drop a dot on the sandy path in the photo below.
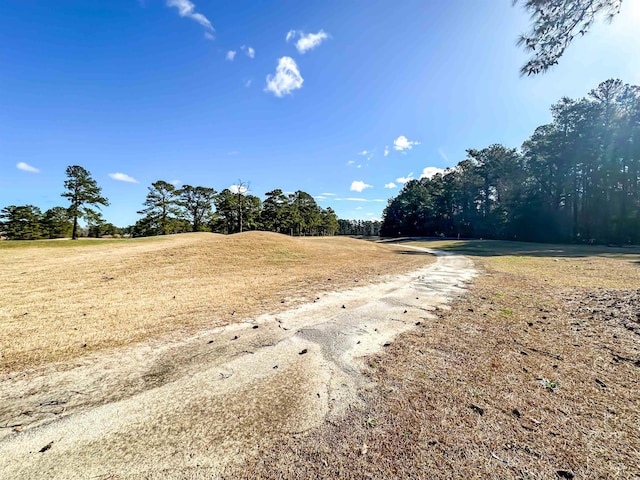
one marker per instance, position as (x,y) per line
(185,409)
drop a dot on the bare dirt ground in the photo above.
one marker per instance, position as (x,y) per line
(197,406)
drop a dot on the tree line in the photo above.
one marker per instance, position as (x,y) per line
(168,209)
(576,179)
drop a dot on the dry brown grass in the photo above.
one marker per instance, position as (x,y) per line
(61,300)
(465,396)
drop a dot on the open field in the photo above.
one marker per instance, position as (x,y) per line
(533,375)
(63,299)
(191,405)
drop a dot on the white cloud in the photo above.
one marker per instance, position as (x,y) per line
(251,53)
(329,194)
(390,185)
(443,155)
(359,199)
(358,208)
(351,162)
(175,183)
(363,153)
(405,179)
(187,9)
(429,172)
(386,150)
(209,36)
(123,177)
(402,143)
(320,197)
(235,189)
(25,167)
(231,54)
(290,34)
(358,186)
(287,78)
(310,41)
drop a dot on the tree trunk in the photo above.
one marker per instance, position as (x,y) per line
(74,232)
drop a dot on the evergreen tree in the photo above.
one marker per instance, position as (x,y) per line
(83,193)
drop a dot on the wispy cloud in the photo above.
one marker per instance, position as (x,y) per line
(231,54)
(209,36)
(307,41)
(366,153)
(329,194)
(429,172)
(247,83)
(310,41)
(251,53)
(359,186)
(187,9)
(386,150)
(443,155)
(390,185)
(402,143)
(25,167)
(123,177)
(359,199)
(286,79)
(351,162)
(405,179)
(175,183)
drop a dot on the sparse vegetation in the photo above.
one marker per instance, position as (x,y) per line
(560,376)
(65,299)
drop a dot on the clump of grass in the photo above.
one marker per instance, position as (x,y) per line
(549,384)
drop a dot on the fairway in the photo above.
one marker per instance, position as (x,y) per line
(64,299)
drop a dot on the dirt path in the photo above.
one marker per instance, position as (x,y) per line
(187,408)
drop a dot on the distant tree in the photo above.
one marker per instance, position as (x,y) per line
(235,211)
(22,222)
(225,220)
(305,216)
(555,23)
(162,207)
(329,222)
(197,203)
(56,223)
(83,193)
(95,224)
(275,212)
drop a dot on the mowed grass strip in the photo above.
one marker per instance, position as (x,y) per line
(63,299)
(534,374)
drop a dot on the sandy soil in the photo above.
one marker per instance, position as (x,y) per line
(189,408)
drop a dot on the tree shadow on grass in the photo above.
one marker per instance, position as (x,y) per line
(497,248)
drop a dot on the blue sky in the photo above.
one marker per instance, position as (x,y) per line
(339,98)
